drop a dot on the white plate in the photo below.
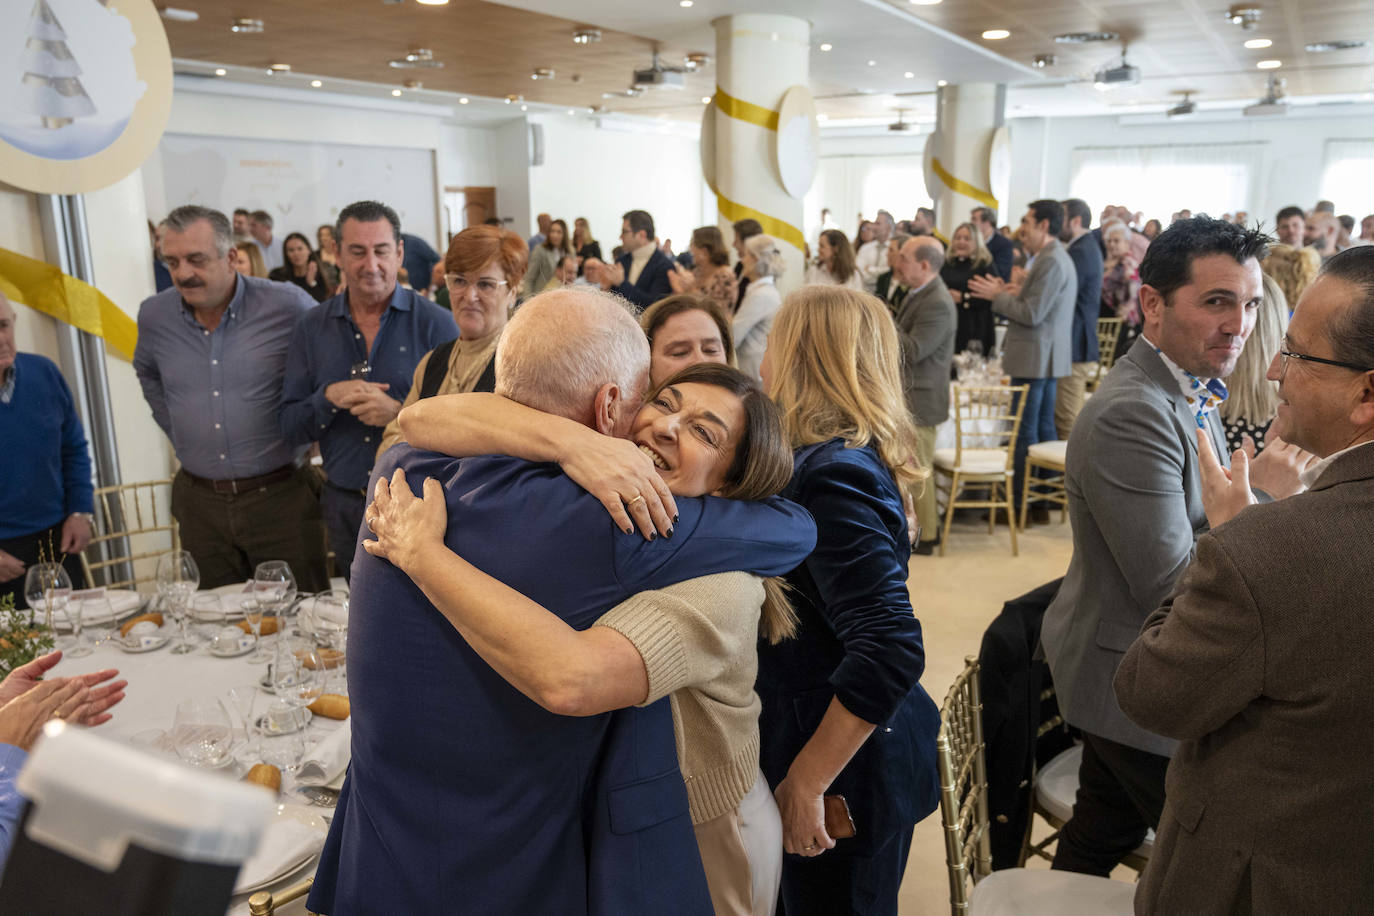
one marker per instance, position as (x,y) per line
(144,643)
(123,603)
(301,814)
(233,651)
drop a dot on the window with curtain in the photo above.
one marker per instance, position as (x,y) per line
(850,185)
(1160,180)
(1347,168)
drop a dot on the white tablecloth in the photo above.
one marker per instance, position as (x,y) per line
(159,680)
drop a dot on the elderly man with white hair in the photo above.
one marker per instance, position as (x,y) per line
(462,792)
(763,264)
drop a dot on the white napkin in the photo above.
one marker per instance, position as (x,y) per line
(332,612)
(326,761)
(285,843)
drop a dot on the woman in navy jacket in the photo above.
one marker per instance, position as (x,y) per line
(843,709)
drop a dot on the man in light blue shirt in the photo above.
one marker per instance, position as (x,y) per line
(211,355)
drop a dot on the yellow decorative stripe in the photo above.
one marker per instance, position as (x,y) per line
(773,226)
(46,289)
(963,187)
(746,111)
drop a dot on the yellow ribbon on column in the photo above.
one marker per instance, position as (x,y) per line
(746,111)
(735,211)
(960,186)
(44,288)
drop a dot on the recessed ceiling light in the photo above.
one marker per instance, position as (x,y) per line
(908,74)
(1255,44)
(396,92)
(996,34)
(542,73)
(684,3)
(695,60)
(942,83)
(413,84)
(706,100)
(873,63)
(514,97)
(316,83)
(246,26)
(278,68)
(571,111)
(463,100)
(173,14)
(221,72)
(586,36)
(1041,61)
(1269,64)
(524,108)
(432,2)
(826,46)
(1341,44)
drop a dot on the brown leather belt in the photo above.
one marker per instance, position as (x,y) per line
(241,484)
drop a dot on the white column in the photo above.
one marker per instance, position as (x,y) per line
(758,59)
(964,166)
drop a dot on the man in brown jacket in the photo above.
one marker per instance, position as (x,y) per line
(1260,662)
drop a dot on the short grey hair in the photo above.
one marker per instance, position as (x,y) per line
(765,248)
(1115,228)
(930,251)
(183,218)
(560,347)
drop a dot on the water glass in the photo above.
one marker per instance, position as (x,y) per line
(297,673)
(275,585)
(208,613)
(243,698)
(47,588)
(282,748)
(177,580)
(201,733)
(94,618)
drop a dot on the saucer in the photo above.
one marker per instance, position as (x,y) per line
(145,643)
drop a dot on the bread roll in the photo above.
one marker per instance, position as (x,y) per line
(331,706)
(265,775)
(269,626)
(129,624)
(324,658)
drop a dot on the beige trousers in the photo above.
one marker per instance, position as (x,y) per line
(927,512)
(1072,392)
(741,851)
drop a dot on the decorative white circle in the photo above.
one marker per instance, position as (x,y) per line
(797,145)
(708,146)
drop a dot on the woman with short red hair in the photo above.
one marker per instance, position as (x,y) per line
(482,272)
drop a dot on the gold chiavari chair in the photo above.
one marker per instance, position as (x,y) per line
(1108,334)
(140,516)
(987,421)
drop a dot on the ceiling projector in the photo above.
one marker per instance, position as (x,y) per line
(658,76)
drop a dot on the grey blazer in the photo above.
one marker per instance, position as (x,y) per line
(925,324)
(1039,342)
(1260,665)
(1135,503)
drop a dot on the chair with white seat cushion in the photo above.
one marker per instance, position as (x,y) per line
(1047,458)
(1055,788)
(986,423)
(964,815)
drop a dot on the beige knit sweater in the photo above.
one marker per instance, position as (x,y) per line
(699,640)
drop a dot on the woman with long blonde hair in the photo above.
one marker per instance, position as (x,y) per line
(1253,400)
(843,709)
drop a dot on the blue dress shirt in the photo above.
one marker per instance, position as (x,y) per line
(216,393)
(53,479)
(326,345)
(463,795)
(11,802)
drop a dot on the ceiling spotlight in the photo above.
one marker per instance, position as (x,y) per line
(1256,44)
(695,60)
(396,92)
(278,68)
(826,46)
(996,34)
(246,26)
(1269,64)
(514,97)
(417,59)
(908,75)
(942,83)
(586,36)
(463,100)
(432,2)
(1340,44)
(1185,107)
(413,84)
(542,73)
(873,63)
(1041,61)
(1083,38)
(684,3)
(220,71)
(706,100)
(524,108)
(1247,17)
(316,83)
(173,14)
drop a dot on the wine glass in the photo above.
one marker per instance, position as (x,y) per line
(47,588)
(274,583)
(329,626)
(201,733)
(255,612)
(244,698)
(177,580)
(297,673)
(96,618)
(207,611)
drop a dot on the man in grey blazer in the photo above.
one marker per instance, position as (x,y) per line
(1259,662)
(926,320)
(1136,507)
(1038,348)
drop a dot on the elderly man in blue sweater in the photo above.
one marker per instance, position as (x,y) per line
(45,492)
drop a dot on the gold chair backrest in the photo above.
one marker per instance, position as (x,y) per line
(140,516)
(987,417)
(1108,335)
(964,787)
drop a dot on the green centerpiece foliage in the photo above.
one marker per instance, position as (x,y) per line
(22,639)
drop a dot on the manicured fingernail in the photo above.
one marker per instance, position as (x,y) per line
(652,535)
(674,519)
(668,533)
(628,530)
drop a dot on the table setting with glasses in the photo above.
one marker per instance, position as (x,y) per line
(247,681)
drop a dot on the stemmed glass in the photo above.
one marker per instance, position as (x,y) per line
(47,588)
(297,673)
(329,626)
(243,698)
(274,585)
(93,611)
(255,612)
(177,580)
(201,732)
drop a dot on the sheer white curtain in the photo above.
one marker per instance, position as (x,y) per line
(850,185)
(1160,180)
(1348,177)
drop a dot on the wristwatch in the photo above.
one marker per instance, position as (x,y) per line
(90,519)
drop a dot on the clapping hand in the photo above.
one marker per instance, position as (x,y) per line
(682,280)
(985,287)
(312,272)
(612,275)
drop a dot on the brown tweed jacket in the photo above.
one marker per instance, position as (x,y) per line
(1262,665)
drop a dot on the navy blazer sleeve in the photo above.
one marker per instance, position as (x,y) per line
(859,567)
(1003,255)
(653,283)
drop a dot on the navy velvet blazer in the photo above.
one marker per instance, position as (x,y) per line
(858,641)
(464,796)
(652,284)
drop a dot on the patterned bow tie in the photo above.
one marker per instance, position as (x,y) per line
(1203,397)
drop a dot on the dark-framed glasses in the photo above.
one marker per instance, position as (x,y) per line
(1285,355)
(485,287)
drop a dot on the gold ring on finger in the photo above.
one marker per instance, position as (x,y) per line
(637,499)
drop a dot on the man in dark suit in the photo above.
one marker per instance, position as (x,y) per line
(1258,663)
(999,246)
(1087,264)
(925,326)
(641,274)
(464,795)
(890,288)
(1136,507)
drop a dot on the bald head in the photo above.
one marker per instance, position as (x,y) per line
(576,352)
(7,350)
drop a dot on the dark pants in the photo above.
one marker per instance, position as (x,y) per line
(343,516)
(25,548)
(228,535)
(1037,425)
(1120,796)
(831,885)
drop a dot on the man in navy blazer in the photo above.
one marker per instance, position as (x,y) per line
(465,796)
(999,246)
(641,274)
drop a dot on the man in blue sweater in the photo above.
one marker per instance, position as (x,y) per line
(45,492)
